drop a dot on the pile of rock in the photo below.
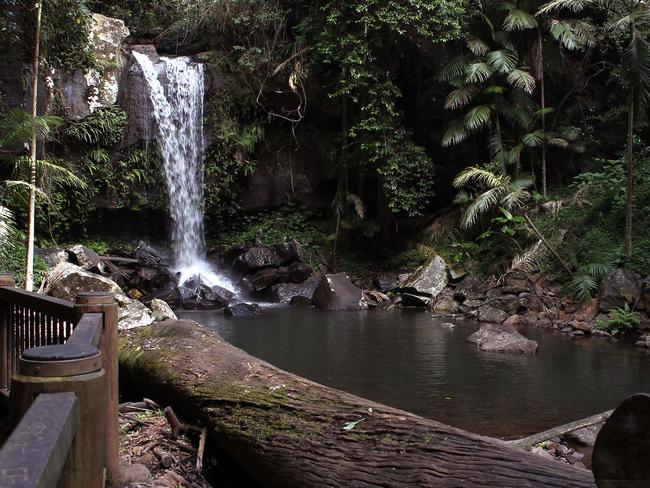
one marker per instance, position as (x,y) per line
(273,273)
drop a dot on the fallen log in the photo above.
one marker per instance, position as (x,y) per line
(530,441)
(290,432)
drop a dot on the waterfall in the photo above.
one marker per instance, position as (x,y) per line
(178,111)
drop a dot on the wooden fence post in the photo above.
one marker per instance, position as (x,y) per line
(102,302)
(6,279)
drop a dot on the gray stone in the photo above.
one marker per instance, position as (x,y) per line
(52,258)
(83,257)
(567,330)
(257,257)
(430,279)
(406,300)
(577,333)
(336,292)
(585,436)
(264,278)
(242,310)
(619,287)
(497,338)
(285,292)
(132,313)
(488,313)
(289,252)
(538,451)
(134,475)
(562,450)
(446,305)
(161,310)
(67,279)
(574,457)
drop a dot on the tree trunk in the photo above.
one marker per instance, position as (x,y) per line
(629,189)
(286,431)
(31,210)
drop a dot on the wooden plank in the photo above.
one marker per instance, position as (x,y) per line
(88,331)
(36,452)
(46,304)
(118,259)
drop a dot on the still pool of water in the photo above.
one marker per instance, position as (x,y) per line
(407,360)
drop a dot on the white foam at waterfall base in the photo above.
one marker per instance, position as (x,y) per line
(178,111)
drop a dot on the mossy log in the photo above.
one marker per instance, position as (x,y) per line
(287,431)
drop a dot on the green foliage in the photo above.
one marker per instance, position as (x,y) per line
(586,280)
(12,260)
(272,226)
(484,191)
(101,128)
(621,320)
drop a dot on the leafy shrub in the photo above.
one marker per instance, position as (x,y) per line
(13,261)
(620,320)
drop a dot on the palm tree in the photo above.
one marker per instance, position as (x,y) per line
(569,34)
(627,28)
(491,78)
(484,191)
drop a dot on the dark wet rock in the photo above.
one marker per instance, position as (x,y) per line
(446,304)
(265,277)
(528,301)
(567,330)
(577,333)
(299,301)
(255,258)
(515,284)
(147,256)
(513,321)
(496,338)
(297,272)
(619,287)
(83,257)
(493,293)
(645,293)
(242,310)
(411,300)
(385,283)
(221,294)
(289,252)
(574,457)
(136,474)
(488,313)
(585,436)
(429,280)
(507,303)
(285,292)
(456,273)
(336,292)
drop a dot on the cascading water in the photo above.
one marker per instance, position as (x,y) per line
(178,111)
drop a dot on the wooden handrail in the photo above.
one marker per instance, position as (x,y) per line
(55,346)
(35,454)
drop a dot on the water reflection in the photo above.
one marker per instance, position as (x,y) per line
(407,360)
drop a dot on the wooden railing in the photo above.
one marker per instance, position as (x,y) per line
(58,371)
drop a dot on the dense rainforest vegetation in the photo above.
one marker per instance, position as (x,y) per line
(502,134)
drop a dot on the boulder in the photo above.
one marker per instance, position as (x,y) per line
(408,300)
(430,279)
(54,257)
(289,252)
(256,257)
(619,287)
(299,301)
(132,313)
(222,294)
(445,304)
(285,292)
(161,310)
(131,475)
(496,338)
(264,278)
(645,293)
(147,256)
(242,310)
(513,321)
(67,279)
(336,292)
(83,257)
(297,272)
(386,283)
(487,313)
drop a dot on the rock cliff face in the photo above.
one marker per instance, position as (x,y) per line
(83,91)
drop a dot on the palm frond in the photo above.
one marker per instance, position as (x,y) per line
(583,285)
(455,68)
(558,142)
(482,204)
(522,80)
(515,198)
(636,61)
(455,133)
(502,60)
(478,72)
(17,126)
(533,139)
(478,117)
(571,34)
(52,170)
(461,97)
(481,176)
(559,5)
(503,39)
(477,45)
(518,20)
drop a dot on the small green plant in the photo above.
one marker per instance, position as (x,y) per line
(621,320)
